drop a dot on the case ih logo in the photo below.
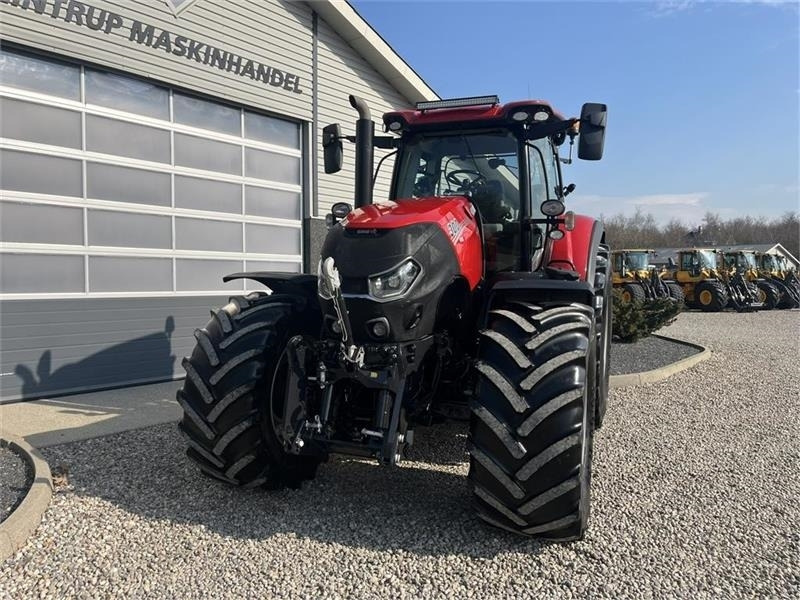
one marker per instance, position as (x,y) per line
(176,6)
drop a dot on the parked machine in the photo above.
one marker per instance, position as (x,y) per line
(696,272)
(744,262)
(470,290)
(637,279)
(708,285)
(775,269)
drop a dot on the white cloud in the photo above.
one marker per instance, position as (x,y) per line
(690,208)
(666,8)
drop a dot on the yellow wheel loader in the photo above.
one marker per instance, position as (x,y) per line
(637,279)
(744,262)
(706,283)
(775,269)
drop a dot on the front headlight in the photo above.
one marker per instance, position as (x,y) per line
(394,283)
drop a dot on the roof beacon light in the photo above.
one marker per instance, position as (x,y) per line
(458,102)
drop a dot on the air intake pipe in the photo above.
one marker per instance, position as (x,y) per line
(365,131)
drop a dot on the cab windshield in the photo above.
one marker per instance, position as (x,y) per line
(636,261)
(746,261)
(461,165)
(708,260)
(481,166)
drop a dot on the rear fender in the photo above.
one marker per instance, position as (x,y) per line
(568,274)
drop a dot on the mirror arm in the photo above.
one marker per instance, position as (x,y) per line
(539,130)
(386,142)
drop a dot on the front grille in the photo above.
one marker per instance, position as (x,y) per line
(354,285)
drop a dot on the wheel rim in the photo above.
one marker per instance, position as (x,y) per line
(626,296)
(762,295)
(706,297)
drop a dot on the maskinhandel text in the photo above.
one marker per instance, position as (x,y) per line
(85,15)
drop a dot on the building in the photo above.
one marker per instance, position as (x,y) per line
(150,147)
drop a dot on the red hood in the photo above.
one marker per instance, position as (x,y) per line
(391,214)
(454,215)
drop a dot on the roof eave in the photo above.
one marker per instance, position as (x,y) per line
(357,32)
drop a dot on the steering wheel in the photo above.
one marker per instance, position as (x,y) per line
(475,177)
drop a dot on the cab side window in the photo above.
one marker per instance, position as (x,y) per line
(544,172)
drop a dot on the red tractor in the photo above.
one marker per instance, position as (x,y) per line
(470,292)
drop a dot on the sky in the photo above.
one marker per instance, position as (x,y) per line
(703,97)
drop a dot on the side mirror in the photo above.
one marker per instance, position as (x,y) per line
(332,148)
(592,131)
(338,212)
(341,209)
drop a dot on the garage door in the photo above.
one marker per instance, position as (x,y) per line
(123,204)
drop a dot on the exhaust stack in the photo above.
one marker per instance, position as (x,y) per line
(365,131)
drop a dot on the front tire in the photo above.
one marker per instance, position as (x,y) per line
(676,292)
(228,392)
(711,296)
(633,292)
(532,421)
(768,294)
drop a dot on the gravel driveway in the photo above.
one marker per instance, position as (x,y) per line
(696,487)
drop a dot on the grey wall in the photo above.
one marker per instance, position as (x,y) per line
(58,346)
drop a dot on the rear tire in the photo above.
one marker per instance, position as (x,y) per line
(710,296)
(603,285)
(227,394)
(532,421)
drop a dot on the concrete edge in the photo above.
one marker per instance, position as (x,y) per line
(629,379)
(21,523)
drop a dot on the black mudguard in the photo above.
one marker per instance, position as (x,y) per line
(536,287)
(300,284)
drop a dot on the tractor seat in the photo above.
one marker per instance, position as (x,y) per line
(489,199)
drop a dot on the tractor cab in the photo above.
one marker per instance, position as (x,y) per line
(502,158)
(696,264)
(743,261)
(632,262)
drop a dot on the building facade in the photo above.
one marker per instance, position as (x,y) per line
(149,147)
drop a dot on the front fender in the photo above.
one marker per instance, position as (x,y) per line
(576,251)
(300,284)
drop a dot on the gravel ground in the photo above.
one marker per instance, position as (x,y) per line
(647,354)
(15,480)
(696,487)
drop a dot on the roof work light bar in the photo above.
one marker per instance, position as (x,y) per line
(458,102)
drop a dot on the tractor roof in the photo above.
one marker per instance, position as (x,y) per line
(483,111)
